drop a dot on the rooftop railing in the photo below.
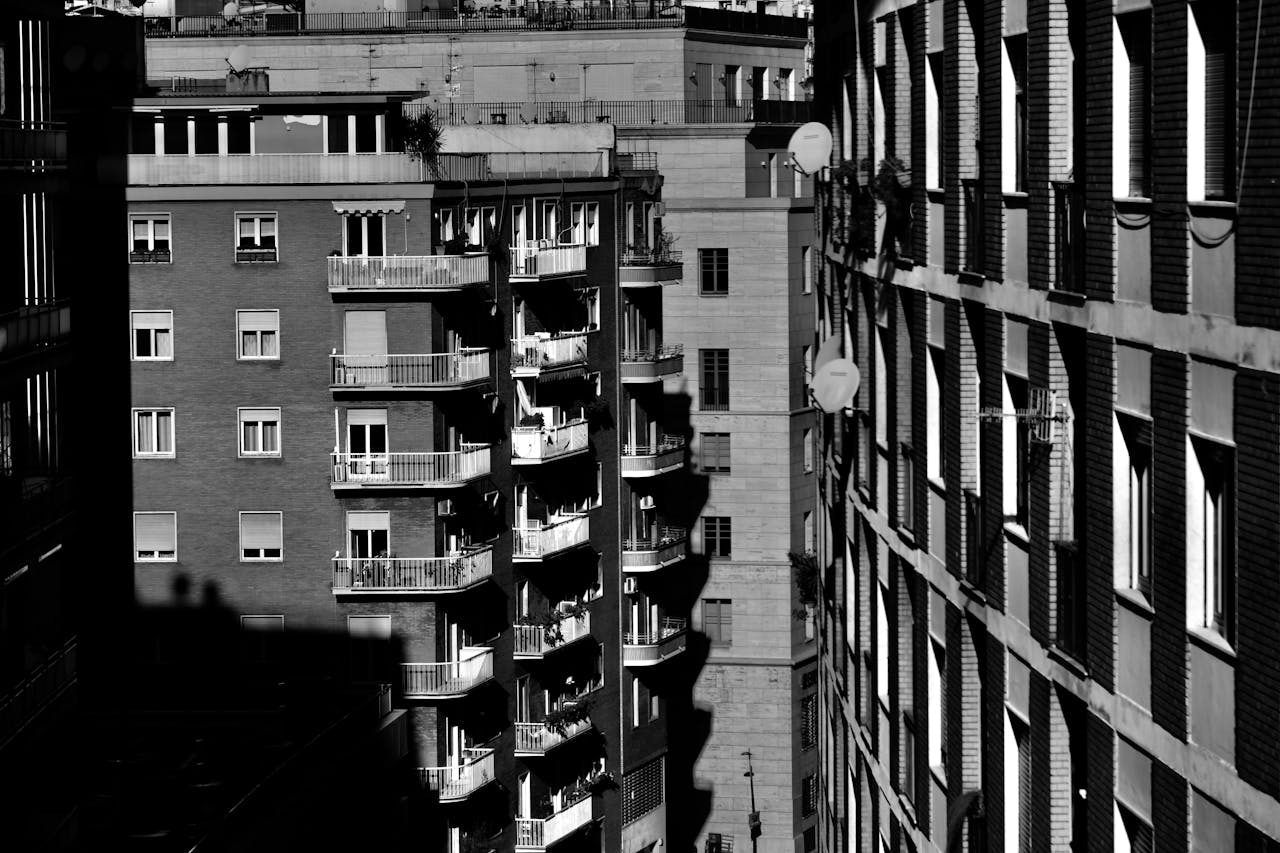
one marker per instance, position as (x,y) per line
(623,113)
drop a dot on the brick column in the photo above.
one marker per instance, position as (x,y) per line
(1170,238)
(1095,433)
(1100,236)
(1169,396)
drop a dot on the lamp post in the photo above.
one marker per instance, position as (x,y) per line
(753,819)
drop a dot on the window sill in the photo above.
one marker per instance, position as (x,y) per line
(260,456)
(151,358)
(939,774)
(155,456)
(256,358)
(1135,601)
(1070,661)
(262,559)
(713,295)
(973,278)
(155,559)
(1133,199)
(1016,532)
(1066,297)
(1212,642)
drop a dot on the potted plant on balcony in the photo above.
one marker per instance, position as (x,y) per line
(423,136)
(534,420)
(600,781)
(559,720)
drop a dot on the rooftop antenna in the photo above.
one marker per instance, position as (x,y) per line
(810,148)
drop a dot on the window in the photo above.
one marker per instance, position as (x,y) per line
(907,503)
(935,369)
(153,432)
(1131,103)
(155,536)
(933,123)
(1211,536)
(715,453)
(717,620)
(152,335)
(806,374)
(480,225)
(261,536)
(258,334)
(259,432)
(714,390)
(1133,503)
(260,638)
(1016,448)
(716,536)
(365,235)
(806,442)
(713,268)
(809,722)
(1211,108)
(1014,107)
(806,268)
(255,238)
(149,239)
(809,795)
(644,704)
(585,218)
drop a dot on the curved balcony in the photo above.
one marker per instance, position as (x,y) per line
(652,365)
(648,555)
(535,445)
(535,355)
(650,460)
(538,541)
(447,679)
(446,470)
(411,575)
(407,273)
(534,739)
(444,371)
(458,782)
(540,833)
(534,641)
(540,261)
(653,647)
(650,269)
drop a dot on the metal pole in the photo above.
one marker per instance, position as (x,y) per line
(754,818)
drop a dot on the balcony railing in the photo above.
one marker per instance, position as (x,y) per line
(652,647)
(533,263)
(637,161)
(537,739)
(32,145)
(1068,236)
(539,834)
(647,555)
(447,679)
(538,541)
(34,327)
(37,691)
(650,269)
(411,574)
(534,354)
(460,781)
(534,641)
(407,273)
(670,112)
(444,370)
(650,460)
(652,365)
(533,445)
(420,470)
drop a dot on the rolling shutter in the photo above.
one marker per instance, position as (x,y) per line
(153,319)
(366,332)
(260,530)
(368,521)
(155,531)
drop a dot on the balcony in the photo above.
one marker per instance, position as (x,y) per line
(649,555)
(536,641)
(456,783)
(447,470)
(411,575)
(34,328)
(650,269)
(541,261)
(650,460)
(32,145)
(447,679)
(532,356)
(443,371)
(535,739)
(407,273)
(540,833)
(652,365)
(38,691)
(535,445)
(653,647)
(538,541)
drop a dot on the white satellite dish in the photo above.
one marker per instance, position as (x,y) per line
(810,147)
(835,383)
(239,58)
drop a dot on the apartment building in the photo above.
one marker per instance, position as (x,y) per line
(1048,536)
(711,97)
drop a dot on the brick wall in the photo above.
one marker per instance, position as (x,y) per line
(1099,204)
(1168,549)
(1095,434)
(1170,241)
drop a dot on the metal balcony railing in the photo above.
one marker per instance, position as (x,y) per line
(408,272)
(531,354)
(537,540)
(532,641)
(670,546)
(411,574)
(37,691)
(423,470)
(537,739)
(645,460)
(431,370)
(645,648)
(531,445)
(652,258)
(32,145)
(670,112)
(447,679)
(637,161)
(457,782)
(33,327)
(534,261)
(652,364)
(540,833)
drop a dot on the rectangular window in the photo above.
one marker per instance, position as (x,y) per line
(153,432)
(256,238)
(644,704)
(261,536)
(907,497)
(933,120)
(714,390)
(806,443)
(717,536)
(806,374)
(584,219)
(1211,533)
(809,795)
(259,432)
(152,335)
(717,620)
(715,453)
(1014,119)
(809,722)
(1133,503)
(1131,99)
(155,536)
(1211,100)
(935,369)
(1016,448)
(713,269)
(480,225)
(149,241)
(258,335)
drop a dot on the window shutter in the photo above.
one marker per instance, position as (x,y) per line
(356,417)
(155,531)
(368,521)
(255,415)
(260,530)
(259,321)
(1215,94)
(1139,72)
(366,332)
(153,319)
(369,627)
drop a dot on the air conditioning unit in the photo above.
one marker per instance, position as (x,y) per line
(630,586)
(445,507)
(659,208)
(647,502)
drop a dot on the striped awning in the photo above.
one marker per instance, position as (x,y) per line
(369,208)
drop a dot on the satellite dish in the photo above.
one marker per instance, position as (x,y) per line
(829,351)
(231,11)
(835,383)
(239,58)
(810,147)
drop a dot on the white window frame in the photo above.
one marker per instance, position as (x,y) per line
(240,332)
(1127,486)
(240,424)
(1211,543)
(151,219)
(261,558)
(479,219)
(933,413)
(257,217)
(133,336)
(157,558)
(173,433)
